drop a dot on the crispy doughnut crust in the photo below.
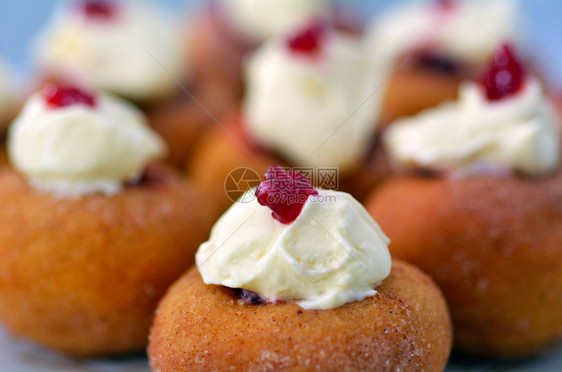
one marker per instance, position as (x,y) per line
(493,245)
(83,275)
(405,325)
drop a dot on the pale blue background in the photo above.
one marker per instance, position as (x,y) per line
(20,20)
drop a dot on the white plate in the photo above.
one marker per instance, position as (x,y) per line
(20,356)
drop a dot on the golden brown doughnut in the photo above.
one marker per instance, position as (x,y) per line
(404,326)
(216,51)
(493,245)
(83,275)
(4,159)
(413,88)
(182,121)
(371,171)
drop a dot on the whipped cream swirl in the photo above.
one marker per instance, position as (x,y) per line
(333,253)
(316,110)
(76,150)
(134,53)
(261,20)
(466,30)
(517,133)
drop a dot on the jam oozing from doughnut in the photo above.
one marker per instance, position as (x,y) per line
(504,76)
(63,96)
(308,40)
(437,63)
(251,297)
(284,193)
(99,9)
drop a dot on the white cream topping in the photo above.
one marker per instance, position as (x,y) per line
(8,95)
(516,133)
(316,111)
(468,32)
(78,149)
(132,55)
(260,20)
(333,253)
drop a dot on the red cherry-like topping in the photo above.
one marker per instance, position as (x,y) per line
(308,40)
(62,96)
(447,4)
(284,193)
(99,9)
(504,75)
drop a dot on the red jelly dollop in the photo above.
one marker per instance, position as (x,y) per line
(308,40)
(447,4)
(99,9)
(62,96)
(284,193)
(504,75)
